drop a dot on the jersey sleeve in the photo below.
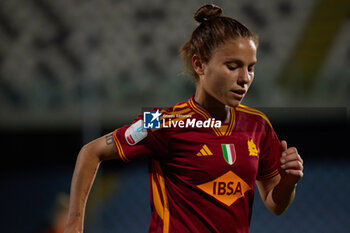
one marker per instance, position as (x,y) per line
(269,160)
(133,141)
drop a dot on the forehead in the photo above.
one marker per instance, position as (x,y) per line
(241,48)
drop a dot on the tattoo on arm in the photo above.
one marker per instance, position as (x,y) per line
(109,139)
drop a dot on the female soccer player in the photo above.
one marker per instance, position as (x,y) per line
(202,173)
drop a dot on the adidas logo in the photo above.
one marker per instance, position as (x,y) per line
(204,151)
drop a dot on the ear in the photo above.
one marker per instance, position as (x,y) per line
(197,64)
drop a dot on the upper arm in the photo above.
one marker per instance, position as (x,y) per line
(103,147)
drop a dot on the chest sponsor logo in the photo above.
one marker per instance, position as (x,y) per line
(204,151)
(253,151)
(227,188)
(229,153)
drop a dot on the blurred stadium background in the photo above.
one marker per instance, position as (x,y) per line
(71,71)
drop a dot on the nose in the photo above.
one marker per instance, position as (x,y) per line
(243,77)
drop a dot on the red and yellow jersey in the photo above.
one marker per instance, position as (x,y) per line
(202,178)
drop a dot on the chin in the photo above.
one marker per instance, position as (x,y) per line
(233,103)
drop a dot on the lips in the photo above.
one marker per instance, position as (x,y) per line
(238,93)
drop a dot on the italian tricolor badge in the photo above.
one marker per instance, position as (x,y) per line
(229,153)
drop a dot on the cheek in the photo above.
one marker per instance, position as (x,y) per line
(218,79)
(217,82)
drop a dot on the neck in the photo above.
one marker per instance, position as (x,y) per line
(215,108)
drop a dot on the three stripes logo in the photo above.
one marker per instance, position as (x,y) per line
(229,153)
(204,151)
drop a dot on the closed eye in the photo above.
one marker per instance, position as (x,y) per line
(230,67)
(251,68)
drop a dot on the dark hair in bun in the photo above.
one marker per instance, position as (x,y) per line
(207,12)
(212,31)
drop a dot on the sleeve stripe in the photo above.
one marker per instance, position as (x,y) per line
(119,147)
(269,175)
(160,197)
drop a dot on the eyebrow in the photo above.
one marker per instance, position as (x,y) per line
(239,62)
